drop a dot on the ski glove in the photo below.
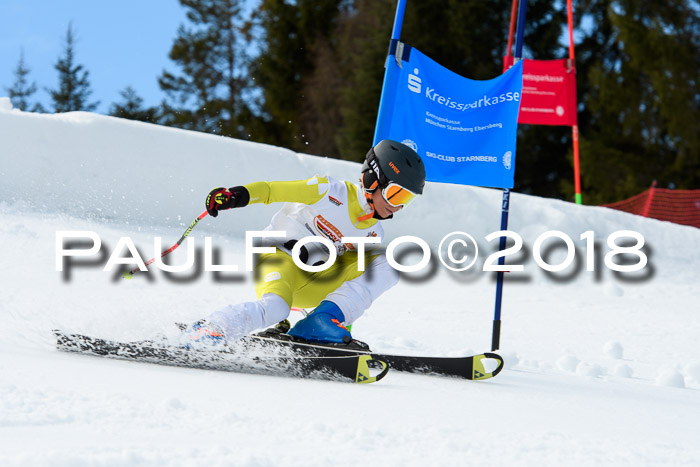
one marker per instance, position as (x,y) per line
(220,199)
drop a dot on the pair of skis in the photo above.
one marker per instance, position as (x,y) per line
(273,352)
(282,355)
(238,359)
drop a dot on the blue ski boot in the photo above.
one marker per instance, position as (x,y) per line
(324,325)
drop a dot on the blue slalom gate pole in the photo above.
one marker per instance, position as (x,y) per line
(505,205)
(386,101)
(398,20)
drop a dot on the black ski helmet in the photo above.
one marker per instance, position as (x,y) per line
(391,161)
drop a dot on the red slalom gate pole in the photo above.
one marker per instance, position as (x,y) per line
(511,31)
(577,170)
(574,129)
(130,274)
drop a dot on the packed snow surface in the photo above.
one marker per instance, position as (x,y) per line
(602,367)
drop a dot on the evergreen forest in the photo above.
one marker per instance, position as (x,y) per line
(307,75)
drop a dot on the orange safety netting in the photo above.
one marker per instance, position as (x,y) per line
(678,206)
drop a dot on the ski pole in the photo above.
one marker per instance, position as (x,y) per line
(130,274)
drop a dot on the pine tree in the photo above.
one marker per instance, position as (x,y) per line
(292,34)
(320,116)
(319,72)
(364,38)
(73,85)
(21,89)
(641,67)
(132,107)
(210,93)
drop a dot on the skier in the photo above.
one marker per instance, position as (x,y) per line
(392,176)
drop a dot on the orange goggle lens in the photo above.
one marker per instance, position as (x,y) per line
(396,195)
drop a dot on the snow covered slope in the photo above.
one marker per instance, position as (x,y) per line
(603,368)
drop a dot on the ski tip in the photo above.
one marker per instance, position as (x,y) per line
(479,371)
(128,275)
(363,372)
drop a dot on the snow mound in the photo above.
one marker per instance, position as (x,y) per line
(670,377)
(623,370)
(591,370)
(510,358)
(692,370)
(568,363)
(613,349)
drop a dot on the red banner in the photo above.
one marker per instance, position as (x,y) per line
(549,92)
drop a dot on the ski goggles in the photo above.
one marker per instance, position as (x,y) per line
(397,196)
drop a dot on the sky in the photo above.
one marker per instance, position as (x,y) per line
(121,43)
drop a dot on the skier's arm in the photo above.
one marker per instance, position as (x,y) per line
(299,191)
